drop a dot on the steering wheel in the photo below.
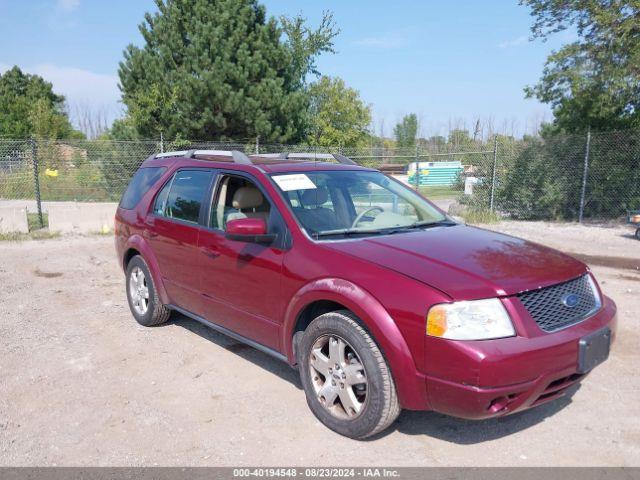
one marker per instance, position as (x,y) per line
(363,214)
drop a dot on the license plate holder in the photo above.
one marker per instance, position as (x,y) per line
(593,349)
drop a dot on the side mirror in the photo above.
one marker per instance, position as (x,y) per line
(250,230)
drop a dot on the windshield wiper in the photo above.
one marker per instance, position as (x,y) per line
(445,222)
(349,231)
(385,231)
(354,231)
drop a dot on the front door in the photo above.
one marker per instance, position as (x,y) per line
(172,231)
(240,282)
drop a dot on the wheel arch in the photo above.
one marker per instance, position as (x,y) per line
(313,310)
(128,255)
(331,294)
(136,245)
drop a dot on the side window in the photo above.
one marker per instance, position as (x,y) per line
(141,182)
(185,196)
(237,197)
(160,204)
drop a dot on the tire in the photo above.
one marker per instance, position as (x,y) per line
(638,233)
(151,312)
(369,409)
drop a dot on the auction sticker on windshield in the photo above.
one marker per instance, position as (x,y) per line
(298,181)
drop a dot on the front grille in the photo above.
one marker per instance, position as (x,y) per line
(548,306)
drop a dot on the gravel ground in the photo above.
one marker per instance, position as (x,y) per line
(82,384)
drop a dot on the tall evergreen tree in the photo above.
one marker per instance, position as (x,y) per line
(220,69)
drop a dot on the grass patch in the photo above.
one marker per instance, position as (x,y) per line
(476,216)
(437,192)
(33,220)
(35,235)
(102,233)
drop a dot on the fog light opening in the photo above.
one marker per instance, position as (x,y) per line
(497,405)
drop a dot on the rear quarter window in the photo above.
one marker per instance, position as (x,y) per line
(141,182)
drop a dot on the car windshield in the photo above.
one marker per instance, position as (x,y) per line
(355,202)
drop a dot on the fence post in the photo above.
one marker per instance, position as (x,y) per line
(161,143)
(257,144)
(417,169)
(584,175)
(493,173)
(36,180)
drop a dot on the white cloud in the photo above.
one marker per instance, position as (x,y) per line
(79,86)
(516,42)
(68,5)
(381,42)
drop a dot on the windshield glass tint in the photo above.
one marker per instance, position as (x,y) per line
(344,202)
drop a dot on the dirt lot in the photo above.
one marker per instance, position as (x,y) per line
(82,384)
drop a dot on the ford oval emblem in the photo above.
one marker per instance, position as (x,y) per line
(570,300)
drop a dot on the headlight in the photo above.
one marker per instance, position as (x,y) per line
(472,320)
(596,292)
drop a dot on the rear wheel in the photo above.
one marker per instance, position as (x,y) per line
(142,295)
(346,379)
(638,233)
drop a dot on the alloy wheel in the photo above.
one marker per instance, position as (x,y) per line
(338,377)
(139,291)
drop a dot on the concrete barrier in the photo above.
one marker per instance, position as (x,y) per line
(13,219)
(81,217)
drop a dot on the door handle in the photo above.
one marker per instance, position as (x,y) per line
(209,252)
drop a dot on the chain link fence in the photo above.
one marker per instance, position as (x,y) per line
(559,177)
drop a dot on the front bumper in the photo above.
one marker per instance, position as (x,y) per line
(484,379)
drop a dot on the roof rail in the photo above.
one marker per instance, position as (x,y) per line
(312,155)
(239,157)
(344,160)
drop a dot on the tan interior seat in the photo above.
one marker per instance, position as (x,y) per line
(246,204)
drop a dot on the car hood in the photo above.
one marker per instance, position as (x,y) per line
(466,262)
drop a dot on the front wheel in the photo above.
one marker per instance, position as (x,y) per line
(346,379)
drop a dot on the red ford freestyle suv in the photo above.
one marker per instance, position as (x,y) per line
(379,299)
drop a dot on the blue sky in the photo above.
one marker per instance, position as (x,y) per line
(449,62)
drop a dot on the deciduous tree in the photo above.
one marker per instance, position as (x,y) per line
(595,80)
(30,107)
(406,131)
(338,116)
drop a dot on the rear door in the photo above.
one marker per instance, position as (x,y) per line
(172,230)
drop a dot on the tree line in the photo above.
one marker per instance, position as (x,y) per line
(226,70)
